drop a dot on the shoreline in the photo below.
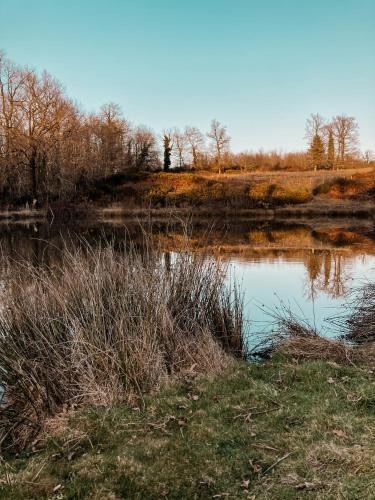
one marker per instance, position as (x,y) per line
(354,210)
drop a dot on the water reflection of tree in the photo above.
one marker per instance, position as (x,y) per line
(41,244)
(31,244)
(326,272)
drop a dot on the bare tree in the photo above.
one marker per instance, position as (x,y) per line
(331,157)
(220,141)
(315,126)
(195,141)
(369,156)
(180,144)
(345,130)
(45,109)
(114,131)
(145,153)
(12,81)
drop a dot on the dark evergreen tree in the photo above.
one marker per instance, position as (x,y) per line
(317,151)
(167,140)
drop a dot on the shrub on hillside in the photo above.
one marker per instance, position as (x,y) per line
(266,194)
(339,187)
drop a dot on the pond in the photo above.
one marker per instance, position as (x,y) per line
(308,266)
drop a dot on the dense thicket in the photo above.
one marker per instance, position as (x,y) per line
(48,146)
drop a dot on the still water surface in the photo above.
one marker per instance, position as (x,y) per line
(315,297)
(308,266)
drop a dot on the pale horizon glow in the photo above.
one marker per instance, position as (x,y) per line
(260,68)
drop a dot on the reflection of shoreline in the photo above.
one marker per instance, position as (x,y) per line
(326,251)
(250,253)
(271,240)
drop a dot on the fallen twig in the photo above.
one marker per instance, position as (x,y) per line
(265,447)
(277,463)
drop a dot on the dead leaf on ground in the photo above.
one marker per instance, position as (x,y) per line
(339,433)
(245,484)
(353,398)
(291,479)
(257,468)
(207,481)
(309,485)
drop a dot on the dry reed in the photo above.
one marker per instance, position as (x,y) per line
(297,338)
(359,326)
(107,326)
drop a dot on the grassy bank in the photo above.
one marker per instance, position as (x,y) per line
(237,191)
(281,429)
(345,193)
(266,194)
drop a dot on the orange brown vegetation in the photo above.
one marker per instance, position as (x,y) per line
(358,186)
(315,347)
(305,193)
(267,194)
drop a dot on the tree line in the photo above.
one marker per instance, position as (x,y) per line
(332,142)
(50,147)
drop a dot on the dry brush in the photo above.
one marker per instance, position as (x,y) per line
(107,326)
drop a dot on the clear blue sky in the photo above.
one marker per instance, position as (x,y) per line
(259,66)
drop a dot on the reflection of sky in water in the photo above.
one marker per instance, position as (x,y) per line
(267,282)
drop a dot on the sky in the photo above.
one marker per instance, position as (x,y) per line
(258,66)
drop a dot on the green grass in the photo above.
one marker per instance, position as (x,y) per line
(215,438)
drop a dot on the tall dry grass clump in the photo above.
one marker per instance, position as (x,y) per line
(106,326)
(296,337)
(359,327)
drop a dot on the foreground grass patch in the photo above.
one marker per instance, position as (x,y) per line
(273,430)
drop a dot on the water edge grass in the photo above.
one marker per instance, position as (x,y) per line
(108,325)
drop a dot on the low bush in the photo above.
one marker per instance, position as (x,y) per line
(339,187)
(297,338)
(192,191)
(266,194)
(157,195)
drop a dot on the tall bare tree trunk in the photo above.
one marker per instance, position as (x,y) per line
(33,172)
